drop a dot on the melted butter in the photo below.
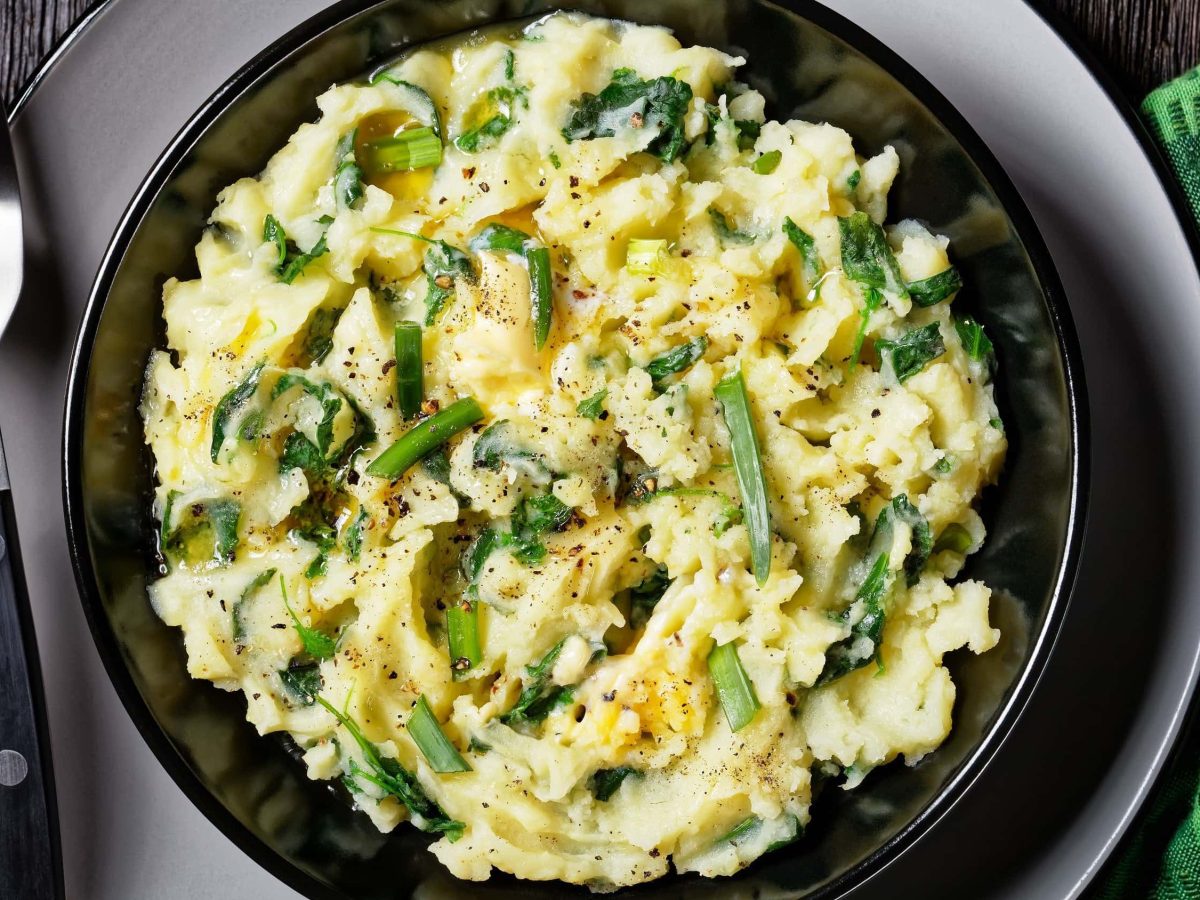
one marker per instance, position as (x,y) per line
(386,124)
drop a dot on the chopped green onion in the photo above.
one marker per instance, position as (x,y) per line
(954,538)
(734,688)
(462,626)
(747,465)
(410,388)
(538,259)
(767,163)
(425,437)
(744,828)
(427,734)
(317,644)
(418,148)
(646,257)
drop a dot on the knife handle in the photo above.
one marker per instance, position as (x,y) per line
(30,856)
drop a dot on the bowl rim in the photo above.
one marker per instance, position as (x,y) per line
(276,55)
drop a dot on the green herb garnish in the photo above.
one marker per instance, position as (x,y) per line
(593,406)
(935,288)
(675,360)
(230,404)
(316,643)
(912,351)
(657,106)
(866,256)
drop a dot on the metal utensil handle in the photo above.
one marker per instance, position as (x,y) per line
(30,864)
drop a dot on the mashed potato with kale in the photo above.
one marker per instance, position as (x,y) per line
(570,460)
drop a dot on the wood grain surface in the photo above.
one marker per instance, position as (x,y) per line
(1143,42)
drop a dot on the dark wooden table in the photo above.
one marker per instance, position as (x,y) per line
(1144,42)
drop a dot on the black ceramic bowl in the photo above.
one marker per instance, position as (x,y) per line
(809,63)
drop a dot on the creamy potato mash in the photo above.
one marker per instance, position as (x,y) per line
(570,461)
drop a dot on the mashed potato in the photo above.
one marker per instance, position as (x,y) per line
(673,496)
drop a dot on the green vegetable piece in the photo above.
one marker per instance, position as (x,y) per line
(955,538)
(497,237)
(488,541)
(542,299)
(417,148)
(539,695)
(554,160)
(604,782)
(593,406)
(871,302)
(534,517)
(509,63)
(319,567)
(912,351)
(747,465)
(301,453)
(727,233)
(231,403)
(734,688)
(974,341)
(850,654)
(803,242)
(853,180)
(318,341)
(462,627)
(866,256)
(316,643)
(644,596)
(935,288)
(302,681)
(743,829)
(348,175)
(273,233)
(767,163)
(444,265)
(291,261)
(729,515)
(420,98)
(747,132)
(498,445)
(410,372)
(208,532)
(658,106)
(437,465)
(325,394)
(922,539)
(388,775)
(427,734)
(355,534)
(646,257)
(425,437)
(500,237)
(239,608)
(497,117)
(675,360)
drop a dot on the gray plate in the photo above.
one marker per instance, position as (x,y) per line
(1047,811)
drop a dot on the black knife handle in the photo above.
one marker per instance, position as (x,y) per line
(30,860)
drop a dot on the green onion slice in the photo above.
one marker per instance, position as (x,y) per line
(425,437)
(410,385)
(538,259)
(747,465)
(646,257)
(734,688)
(427,734)
(417,148)
(462,625)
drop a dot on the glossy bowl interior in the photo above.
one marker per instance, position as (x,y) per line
(809,63)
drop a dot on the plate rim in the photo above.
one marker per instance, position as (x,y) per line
(310,29)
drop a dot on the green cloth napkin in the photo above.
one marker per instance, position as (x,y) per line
(1162,857)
